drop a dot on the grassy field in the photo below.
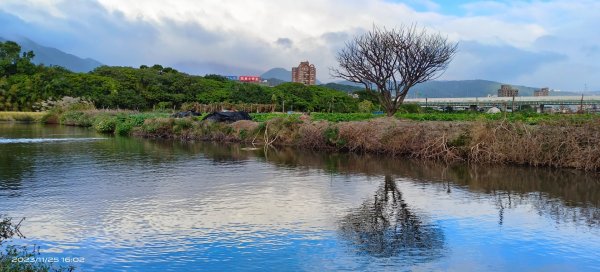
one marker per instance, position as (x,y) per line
(12,116)
(122,122)
(524,117)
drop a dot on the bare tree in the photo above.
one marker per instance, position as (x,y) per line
(386,226)
(390,62)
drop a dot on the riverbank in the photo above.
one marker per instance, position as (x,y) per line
(570,145)
(569,141)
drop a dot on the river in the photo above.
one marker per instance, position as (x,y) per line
(127,204)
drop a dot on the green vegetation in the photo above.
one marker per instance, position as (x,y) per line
(262,117)
(25,87)
(72,98)
(530,118)
(117,122)
(125,122)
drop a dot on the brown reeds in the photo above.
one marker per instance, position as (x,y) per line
(556,145)
(489,142)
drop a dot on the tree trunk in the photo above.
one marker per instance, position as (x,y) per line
(390,111)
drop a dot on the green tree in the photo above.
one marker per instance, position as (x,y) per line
(11,60)
(365,106)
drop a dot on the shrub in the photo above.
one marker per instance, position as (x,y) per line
(76,118)
(331,135)
(163,105)
(409,108)
(105,123)
(365,106)
(181,124)
(158,127)
(66,103)
(50,117)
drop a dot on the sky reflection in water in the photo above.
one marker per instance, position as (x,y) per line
(135,205)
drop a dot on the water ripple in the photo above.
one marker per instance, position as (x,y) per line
(45,140)
(133,205)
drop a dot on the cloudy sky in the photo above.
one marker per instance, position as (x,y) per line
(534,43)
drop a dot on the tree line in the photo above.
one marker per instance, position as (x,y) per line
(388,63)
(23,85)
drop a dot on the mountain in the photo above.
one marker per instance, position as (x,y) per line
(463,88)
(278,73)
(349,83)
(274,81)
(50,56)
(343,87)
(276,76)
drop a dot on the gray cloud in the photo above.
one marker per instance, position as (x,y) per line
(205,37)
(503,63)
(113,39)
(284,42)
(336,37)
(203,68)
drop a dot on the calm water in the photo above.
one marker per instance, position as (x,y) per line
(138,205)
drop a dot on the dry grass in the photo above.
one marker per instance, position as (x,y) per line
(549,145)
(489,142)
(312,135)
(12,116)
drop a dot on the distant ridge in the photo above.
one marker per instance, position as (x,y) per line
(50,56)
(464,88)
(278,73)
(343,87)
(276,76)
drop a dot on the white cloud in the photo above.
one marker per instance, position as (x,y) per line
(237,33)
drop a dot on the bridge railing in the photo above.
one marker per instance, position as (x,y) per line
(518,100)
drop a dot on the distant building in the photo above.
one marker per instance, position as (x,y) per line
(507,91)
(542,92)
(305,73)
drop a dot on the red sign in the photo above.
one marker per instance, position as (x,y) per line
(249,78)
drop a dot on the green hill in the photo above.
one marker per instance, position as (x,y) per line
(342,87)
(53,57)
(276,76)
(278,73)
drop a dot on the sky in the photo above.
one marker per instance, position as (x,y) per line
(534,43)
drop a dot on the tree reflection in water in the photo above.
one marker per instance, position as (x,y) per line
(385,226)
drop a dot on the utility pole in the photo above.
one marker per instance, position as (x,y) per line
(513,104)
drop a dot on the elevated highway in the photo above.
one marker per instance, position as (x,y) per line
(506,102)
